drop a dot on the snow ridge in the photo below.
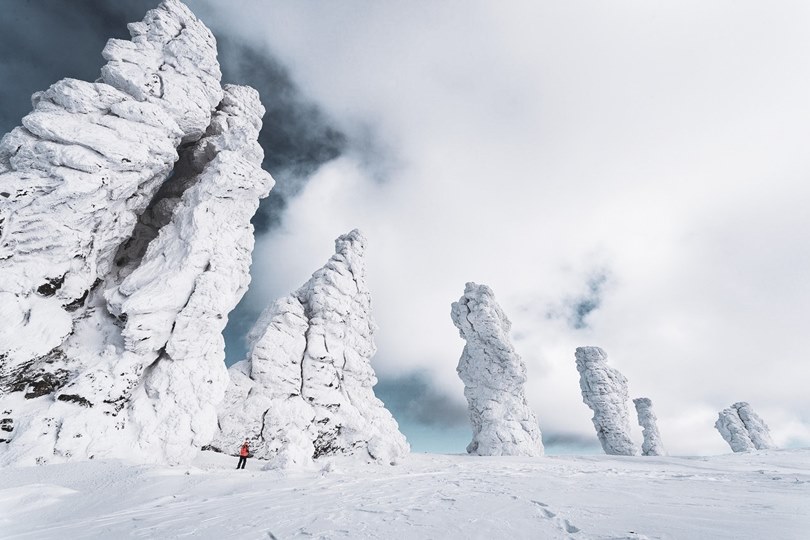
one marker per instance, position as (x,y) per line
(494,377)
(305,389)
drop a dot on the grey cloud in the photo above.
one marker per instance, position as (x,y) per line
(413,398)
(577,309)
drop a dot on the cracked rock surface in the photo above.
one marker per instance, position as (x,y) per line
(494,378)
(652,445)
(604,391)
(743,429)
(305,389)
(125,239)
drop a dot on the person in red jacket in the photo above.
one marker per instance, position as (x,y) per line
(244,452)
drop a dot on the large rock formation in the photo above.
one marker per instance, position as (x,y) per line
(305,389)
(494,377)
(743,429)
(604,390)
(116,282)
(652,445)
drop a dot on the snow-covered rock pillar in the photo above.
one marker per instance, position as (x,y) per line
(652,445)
(111,344)
(743,429)
(494,378)
(604,390)
(305,389)
(85,163)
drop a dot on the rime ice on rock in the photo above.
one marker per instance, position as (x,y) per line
(494,377)
(743,429)
(305,389)
(652,445)
(91,228)
(604,390)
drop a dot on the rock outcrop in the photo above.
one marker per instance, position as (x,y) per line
(125,241)
(652,445)
(494,377)
(305,389)
(743,429)
(604,390)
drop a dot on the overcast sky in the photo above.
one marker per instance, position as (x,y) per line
(626,174)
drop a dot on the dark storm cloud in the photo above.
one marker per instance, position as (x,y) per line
(413,398)
(42,41)
(297,137)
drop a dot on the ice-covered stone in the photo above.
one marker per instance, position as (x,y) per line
(652,445)
(86,162)
(494,377)
(604,390)
(743,429)
(305,389)
(121,282)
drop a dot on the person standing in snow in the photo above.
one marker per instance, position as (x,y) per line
(244,452)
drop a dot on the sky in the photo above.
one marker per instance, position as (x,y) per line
(631,175)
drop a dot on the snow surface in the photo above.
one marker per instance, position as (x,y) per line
(756,495)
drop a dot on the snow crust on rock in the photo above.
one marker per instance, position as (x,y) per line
(494,377)
(86,162)
(305,389)
(121,282)
(652,445)
(605,391)
(743,429)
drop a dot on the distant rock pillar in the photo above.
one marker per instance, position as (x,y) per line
(494,377)
(743,429)
(652,445)
(604,390)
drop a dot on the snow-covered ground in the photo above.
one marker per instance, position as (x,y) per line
(764,495)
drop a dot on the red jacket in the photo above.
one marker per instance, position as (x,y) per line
(244,451)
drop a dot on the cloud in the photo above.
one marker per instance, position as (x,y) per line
(528,145)
(535,142)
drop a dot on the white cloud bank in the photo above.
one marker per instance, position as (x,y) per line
(531,145)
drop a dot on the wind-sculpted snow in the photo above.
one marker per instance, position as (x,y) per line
(743,429)
(494,377)
(604,390)
(652,445)
(119,281)
(305,389)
